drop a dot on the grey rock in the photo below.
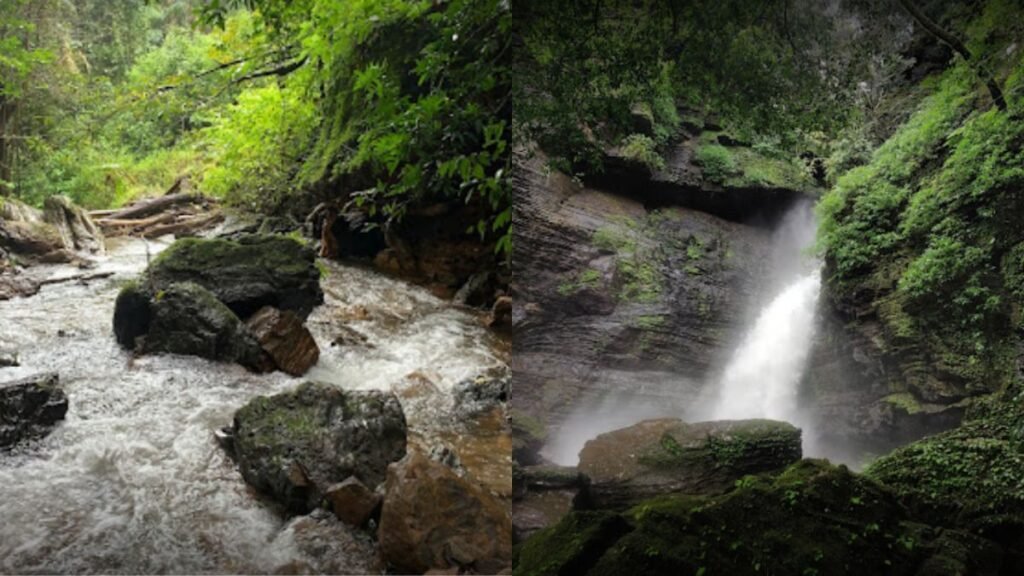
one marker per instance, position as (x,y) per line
(295,445)
(30,407)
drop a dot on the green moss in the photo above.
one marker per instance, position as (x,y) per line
(716,162)
(589,278)
(904,401)
(570,546)
(650,321)
(642,149)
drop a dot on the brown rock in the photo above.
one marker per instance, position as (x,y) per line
(501,313)
(283,337)
(352,502)
(668,456)
(433,520)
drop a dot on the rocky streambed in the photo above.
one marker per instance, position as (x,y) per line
(132,480)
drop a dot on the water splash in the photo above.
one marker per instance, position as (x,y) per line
(762,379)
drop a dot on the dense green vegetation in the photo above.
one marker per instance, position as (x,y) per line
(780,76)
(270,105)
(929,228)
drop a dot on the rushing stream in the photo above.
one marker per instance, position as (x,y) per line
(133,481)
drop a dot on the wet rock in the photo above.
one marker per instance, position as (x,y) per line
(329,547)
(447,456)
(482,393)
(668,456)
(528,438)
(295,445)
(188,319)
(477,291)
(432,519)
(352,502)
(812,516)
(74,225)
(245,274)
(284,339)
(132,315)
(542,495)
(15,285)
(616,296)
(35,241)
(350,337)
(8,359)
(30,407)
(501,313)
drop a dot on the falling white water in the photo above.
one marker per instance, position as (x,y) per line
(762,378)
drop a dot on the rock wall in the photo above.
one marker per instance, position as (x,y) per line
(613,295)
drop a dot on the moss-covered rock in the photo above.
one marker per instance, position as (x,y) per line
(132,314)
(668,456)
(246,274)
(188,319)
(295,445)
(570,547)
(30,407)
(812,519)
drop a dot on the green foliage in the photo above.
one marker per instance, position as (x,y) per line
(716,162)
(642,149)
(258,143)
(929,227)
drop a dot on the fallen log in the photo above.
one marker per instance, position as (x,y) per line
(140,223)
(148,207)
(184,227)
(79,277)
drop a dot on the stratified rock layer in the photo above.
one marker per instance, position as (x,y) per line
(668,456)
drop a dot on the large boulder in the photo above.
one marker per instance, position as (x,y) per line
(284,339)
(433,519)
(814,518)
(188,319)
(24,233)
(246,274)
(669,456)
(30,407)
(132,315)
(295,445)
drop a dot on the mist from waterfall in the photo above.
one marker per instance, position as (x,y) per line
(762,377)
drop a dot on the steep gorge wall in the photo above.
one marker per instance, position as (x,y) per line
(623,287)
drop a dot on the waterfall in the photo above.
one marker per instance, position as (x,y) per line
(762,377)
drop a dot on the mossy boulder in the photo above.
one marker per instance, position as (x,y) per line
(30,407)
(668,456)
(295,445)
(132,315)
(188,319)
(814,518)
(245,274)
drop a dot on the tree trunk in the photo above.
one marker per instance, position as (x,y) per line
(956,44)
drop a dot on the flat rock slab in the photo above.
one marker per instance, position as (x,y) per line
(30,407)
(669,456)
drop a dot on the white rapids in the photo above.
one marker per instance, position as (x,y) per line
(132,481)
